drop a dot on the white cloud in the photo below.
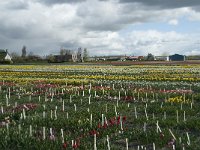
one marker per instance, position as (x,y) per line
(46,26)
(173,22)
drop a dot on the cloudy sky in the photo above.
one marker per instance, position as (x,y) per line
(104,27)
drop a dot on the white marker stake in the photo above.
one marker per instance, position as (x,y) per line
(102,119)
(146,113)
(2,110)
(70,99)
(44,135)
(7,101)
(44,114)
(90,120)
(62,135)
(191,105)
(24,114)
(30,129)
(51,114)
(9,92)
(126,144)
(135,112)
(108,143)
(172,134)
(67,115)
(51,132)
(145,127)
(63,105)
(39,98)
(83,93)
(188,142)
(154,147)
(89,100)
(74,107)
(119,95)
(95,142)
(19,128)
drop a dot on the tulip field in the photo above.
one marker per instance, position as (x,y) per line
(100,107)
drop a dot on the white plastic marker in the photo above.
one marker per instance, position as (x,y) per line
(188,142)
(44,135)
(95,142)
(135,112)
(108,143)
(30,129)
(62,135)
(154,147)
(172,134)
(126,144)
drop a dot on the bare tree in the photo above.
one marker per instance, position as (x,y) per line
(24,51)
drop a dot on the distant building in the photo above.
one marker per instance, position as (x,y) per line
(162,58)
(5,56)
(134,58)
(177,57)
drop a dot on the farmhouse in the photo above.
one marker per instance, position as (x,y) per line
(177,57)
(162,58)
(4,56)
(65,58)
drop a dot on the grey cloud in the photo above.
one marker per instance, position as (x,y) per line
(165,3)
(52,2)
(17,5)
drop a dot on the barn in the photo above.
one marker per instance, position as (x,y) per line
(177,57)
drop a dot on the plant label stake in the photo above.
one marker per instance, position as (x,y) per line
(95,93)
(172,134)
(70,99)
(108,143)
(30,128)
(24,114)
(74,107)
(44,114)
(145,127)
(146,113)
(90,120)
(89,100)
(43,131)
(154,147)
(188,142)
(83,93)
(19,128)
(39,98)
(51,114)
(126,143)
(95,142)
(2,109)
(184,116)
(135,112)
(62,135)
(102,119)
(63,105)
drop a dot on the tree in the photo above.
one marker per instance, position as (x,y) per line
(62,51)
(24,51)
(150,57)
(85,54)
(80,55)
